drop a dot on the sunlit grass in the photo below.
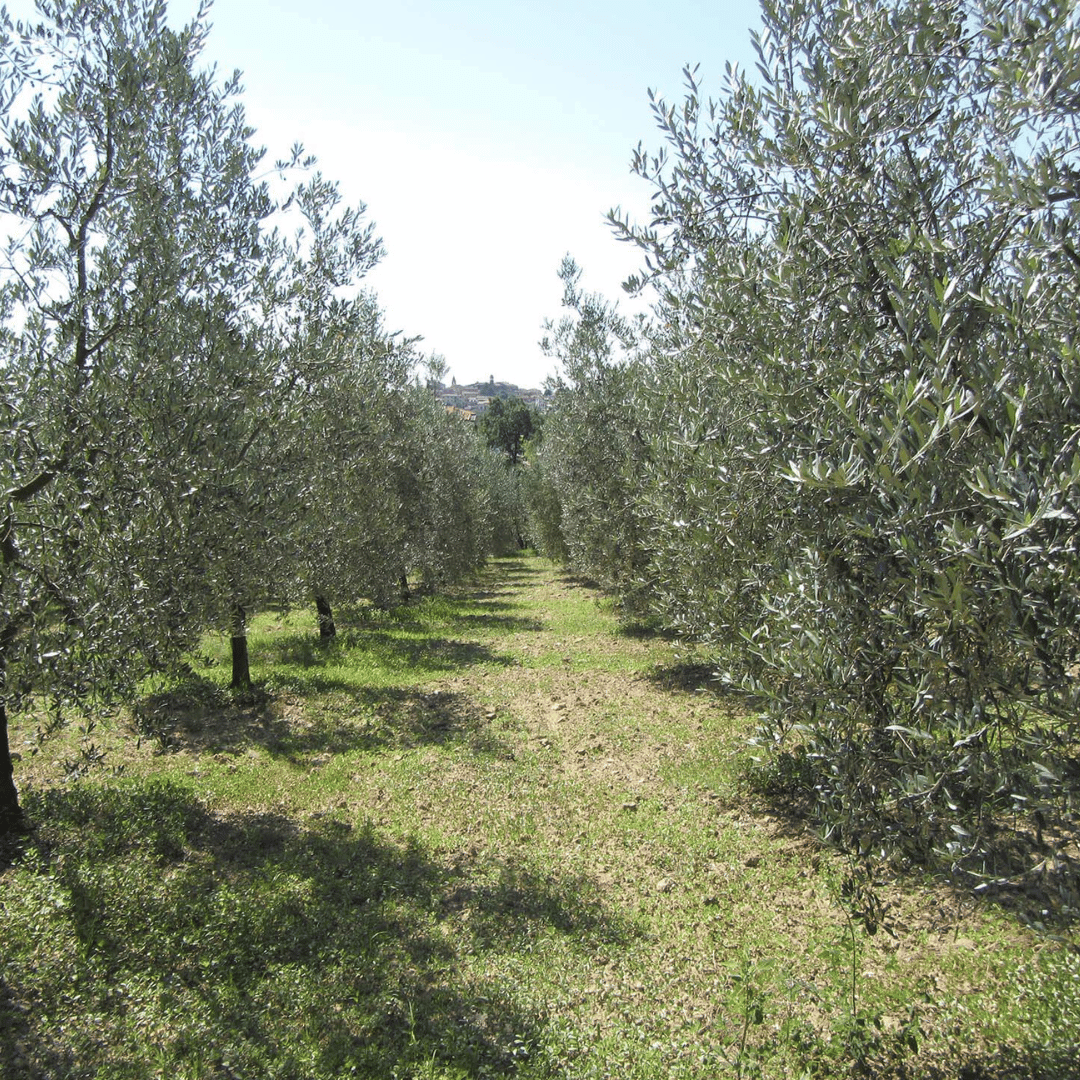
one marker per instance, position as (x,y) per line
(482,835)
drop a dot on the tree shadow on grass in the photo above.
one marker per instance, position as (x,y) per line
(331,697)
(637,630)
(17,1036)
(516,568)
(252,945)
(686,676)
(1030,870)
(448,614)
(202,716)
(488,599)
(1033,1062)
(388,651)
(576,581)
(509,624)
(393,719)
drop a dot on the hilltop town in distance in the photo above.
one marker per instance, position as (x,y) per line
(474,398)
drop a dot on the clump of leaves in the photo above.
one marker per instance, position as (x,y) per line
(782,774)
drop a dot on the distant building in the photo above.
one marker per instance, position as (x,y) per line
(476,397)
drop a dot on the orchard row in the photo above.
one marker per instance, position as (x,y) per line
(202,410)
(844,451)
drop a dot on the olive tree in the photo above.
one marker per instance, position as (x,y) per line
(508,426)
(586,468)
(351,539)
(135,251)
(447,512)
(264,449)
(865,414)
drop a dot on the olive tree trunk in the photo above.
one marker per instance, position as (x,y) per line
(241,669)
(327,629)
(10,811)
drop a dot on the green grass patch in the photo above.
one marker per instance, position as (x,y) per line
(485,834)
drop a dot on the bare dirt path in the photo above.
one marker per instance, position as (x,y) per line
(594,700)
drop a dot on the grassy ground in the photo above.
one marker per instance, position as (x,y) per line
(484,835)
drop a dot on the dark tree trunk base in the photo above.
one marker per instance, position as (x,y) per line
(327,629)
(241,668)
(12,821)
(13,824)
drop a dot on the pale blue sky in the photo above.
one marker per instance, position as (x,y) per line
(487,139)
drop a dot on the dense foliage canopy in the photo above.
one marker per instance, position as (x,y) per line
(200,411)
(844,454)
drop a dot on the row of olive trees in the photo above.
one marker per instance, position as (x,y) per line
(846,452)
(200,411)
(510,428)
